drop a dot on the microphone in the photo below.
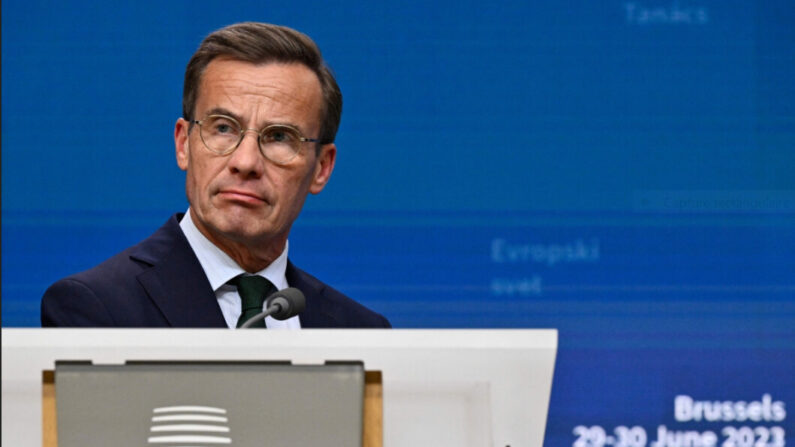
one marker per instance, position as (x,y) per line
(281,305)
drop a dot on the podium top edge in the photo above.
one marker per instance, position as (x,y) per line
(362,338)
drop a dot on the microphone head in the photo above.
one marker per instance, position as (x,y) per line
(291,302)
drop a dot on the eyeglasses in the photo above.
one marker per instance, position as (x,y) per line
(279,143)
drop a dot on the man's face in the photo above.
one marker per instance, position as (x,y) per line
(243,201)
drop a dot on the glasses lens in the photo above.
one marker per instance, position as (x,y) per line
(220,133)
(280,143)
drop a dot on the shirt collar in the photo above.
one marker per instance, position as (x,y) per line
(219,267)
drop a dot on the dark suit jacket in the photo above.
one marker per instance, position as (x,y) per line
(160,283)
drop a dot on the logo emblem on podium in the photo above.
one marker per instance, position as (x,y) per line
(198,425)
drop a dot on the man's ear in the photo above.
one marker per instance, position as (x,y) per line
(323,167)
(181,143)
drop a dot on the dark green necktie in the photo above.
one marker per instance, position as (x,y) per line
(253,290)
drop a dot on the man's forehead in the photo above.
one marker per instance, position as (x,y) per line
(234,83)
(290,77)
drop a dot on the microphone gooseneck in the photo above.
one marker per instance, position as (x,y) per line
(281,305)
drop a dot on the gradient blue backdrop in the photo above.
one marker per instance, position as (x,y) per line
(619,170)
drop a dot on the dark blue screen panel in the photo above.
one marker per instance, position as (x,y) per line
(619,170)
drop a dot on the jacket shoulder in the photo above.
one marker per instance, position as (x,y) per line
(109,293)
(328,307)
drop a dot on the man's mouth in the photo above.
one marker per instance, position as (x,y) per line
(241,195)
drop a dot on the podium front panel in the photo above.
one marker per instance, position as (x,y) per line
(233,403)
(440,387)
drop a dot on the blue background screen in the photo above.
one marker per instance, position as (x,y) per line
(619,170)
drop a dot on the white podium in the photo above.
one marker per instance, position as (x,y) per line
(441,387)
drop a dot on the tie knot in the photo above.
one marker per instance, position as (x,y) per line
(252,290)
(255,287)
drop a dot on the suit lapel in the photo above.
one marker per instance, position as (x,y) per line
(319,312)
(176,282)
(179,288)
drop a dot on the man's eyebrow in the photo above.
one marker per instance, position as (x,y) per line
(223,111)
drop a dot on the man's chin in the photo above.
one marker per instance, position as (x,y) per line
(233,229)
(247,235)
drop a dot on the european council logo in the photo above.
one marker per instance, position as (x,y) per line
(197,425)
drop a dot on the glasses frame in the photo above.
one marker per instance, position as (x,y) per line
(259,133)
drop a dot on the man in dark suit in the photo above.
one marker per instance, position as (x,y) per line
(260,114)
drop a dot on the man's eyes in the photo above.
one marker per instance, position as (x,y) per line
(279,135)
(224,128)
(271,134)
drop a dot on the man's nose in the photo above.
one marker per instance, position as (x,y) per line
(247,159)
